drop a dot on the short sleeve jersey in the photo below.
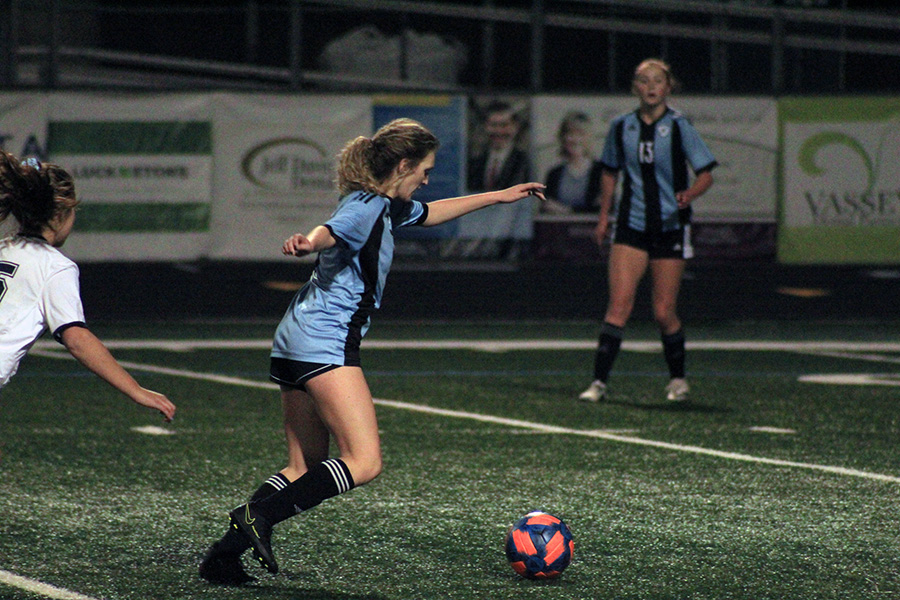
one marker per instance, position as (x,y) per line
(38,289)
(655,158)
(330,314)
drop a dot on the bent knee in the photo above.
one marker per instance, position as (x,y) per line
(365,471)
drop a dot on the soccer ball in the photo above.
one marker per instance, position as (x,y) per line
(539,546)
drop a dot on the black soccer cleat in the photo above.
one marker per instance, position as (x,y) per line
(223,568)
(258,532)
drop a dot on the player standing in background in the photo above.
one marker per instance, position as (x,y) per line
(654,146)
(39,285)
(315,355)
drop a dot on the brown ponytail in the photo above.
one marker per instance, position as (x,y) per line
(365,163)
(33,192)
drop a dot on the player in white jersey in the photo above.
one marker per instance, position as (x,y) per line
(39,285)
(315,357)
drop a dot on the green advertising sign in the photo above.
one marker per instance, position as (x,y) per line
(840,181)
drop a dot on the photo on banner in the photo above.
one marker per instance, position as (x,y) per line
(498,156)
(564,225)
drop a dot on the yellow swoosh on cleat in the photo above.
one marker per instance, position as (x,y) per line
(247,518)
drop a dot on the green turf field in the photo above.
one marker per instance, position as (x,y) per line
(765,487)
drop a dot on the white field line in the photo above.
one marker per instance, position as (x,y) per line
(507,345)
(41,589)
(881,358)
(540,427)
(889,379)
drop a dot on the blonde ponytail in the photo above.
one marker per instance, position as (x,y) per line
(365,163)
(354,171)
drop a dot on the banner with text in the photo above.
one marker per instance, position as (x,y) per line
(274,172)
(142,166)
(230,176)
(840,181)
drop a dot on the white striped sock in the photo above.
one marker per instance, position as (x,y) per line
(278,481)
(337,469)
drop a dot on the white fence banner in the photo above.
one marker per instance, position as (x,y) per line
(143,170)
(274,173)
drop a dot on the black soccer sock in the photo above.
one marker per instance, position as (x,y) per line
(607,350)
(273,484)
(673,349)
(323,481)
(235,542)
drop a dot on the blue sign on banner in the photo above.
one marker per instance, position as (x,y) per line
(445,117)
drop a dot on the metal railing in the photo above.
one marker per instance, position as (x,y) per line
(786,45)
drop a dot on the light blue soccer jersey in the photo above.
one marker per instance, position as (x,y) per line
(655,158)
(329,316)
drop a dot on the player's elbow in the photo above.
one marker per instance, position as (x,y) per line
(77,339)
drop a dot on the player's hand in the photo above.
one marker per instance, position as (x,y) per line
(155,400)
(297,245)
(523,190)
(601,229)
(684,199)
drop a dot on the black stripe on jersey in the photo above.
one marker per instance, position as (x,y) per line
(369,256)
(400,211)
(647,161)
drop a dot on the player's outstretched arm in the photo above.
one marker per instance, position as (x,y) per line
(442,211)
(90,351)
(318,239)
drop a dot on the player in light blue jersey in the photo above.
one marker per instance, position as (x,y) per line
(315,356)
(654,147)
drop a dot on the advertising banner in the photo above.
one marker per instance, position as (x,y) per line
(274,171)
(23,131)
(142,168)
(230,175)
(23,124)
(840,181)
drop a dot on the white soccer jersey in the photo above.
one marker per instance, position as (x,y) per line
(38,289)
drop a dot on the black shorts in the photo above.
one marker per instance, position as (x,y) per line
(665,244)
(294,373)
